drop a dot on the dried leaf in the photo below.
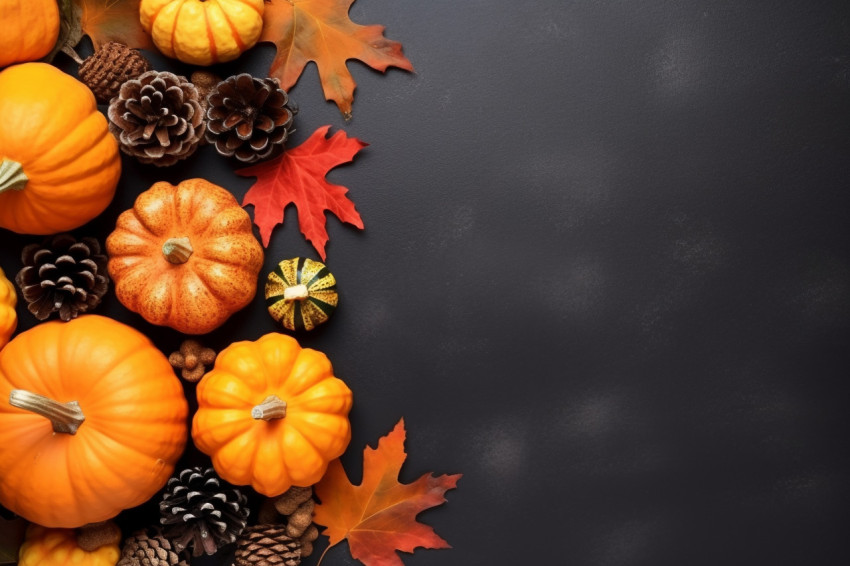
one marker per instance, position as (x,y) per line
(321,31)
(113,20)
(378,517)
(298,177)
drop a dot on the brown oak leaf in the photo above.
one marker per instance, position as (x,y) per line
(378,517)
(112,20)
(321,31)
(298,177)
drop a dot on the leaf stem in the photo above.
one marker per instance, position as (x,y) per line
(322,557)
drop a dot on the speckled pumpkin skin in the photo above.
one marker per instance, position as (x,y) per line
(218,279)
(58,547)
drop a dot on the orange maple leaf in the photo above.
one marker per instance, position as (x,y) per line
(378,517)
(298,177)
(113,20)
(320,31)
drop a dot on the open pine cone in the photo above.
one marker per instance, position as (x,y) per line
(157,118)
(63,275)
(248,118)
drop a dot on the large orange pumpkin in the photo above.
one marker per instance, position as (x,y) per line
(92,421)
(59,165)
(201,32)
(185,256)
(271,414)
(30,30)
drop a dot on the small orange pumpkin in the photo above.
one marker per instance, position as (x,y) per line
(59,165)
(59,547)
(92,421)
(8,315)
(30,30)
(201,32)
(185,256)
(271,414)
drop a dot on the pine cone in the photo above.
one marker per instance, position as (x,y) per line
(157,118)
(107,69)
(143,549)
(248,118)
(296,506)
(63,275)
(267,545)
(201,510)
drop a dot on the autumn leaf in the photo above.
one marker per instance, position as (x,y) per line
(378,517)
(321,31)
(111,20)
(298,177)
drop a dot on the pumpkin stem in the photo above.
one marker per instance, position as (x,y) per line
(69,51)
(12,176)
(295,293)
(177,250)
(66,417)
(272,407)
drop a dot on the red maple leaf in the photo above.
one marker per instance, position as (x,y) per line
(298,177)
(378,517)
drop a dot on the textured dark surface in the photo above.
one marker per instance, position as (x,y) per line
(605,275)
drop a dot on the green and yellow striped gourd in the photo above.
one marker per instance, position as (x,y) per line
(301,293)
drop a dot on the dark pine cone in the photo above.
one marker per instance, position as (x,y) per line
(109,67)
(157,118)
(63,275)
(248,117)
(267,545)
(200,510)
(145,549)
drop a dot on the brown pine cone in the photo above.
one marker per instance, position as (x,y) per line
(267,545)
(157,118)
(109,67)
(248,118)
(63,275)
(295,506)
(144,549)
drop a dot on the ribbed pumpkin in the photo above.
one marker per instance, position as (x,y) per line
(58,547)
(301,293)
(30,30)
(59,165)
(92,421)
(185,256)
(203,32)
(8,315)
(272,414)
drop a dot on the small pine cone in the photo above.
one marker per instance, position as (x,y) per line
(201,511)
(157,118)
(297,505)
(267,545)
(248,118)
(63,275)
(109,67)
(144,549)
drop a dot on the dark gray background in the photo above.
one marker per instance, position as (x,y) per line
(604,275)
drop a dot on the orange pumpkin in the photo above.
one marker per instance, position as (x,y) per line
(8,315)
(92,421)
(201,32)
(58,547)
(271,414)
(59,165)
(30,30)
(185,256)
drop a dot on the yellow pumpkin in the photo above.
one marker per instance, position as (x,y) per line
(185,256)
(271,414)
(92,421)
(202,32)
(30,30)
(8,315)
(59,165)
(58,547)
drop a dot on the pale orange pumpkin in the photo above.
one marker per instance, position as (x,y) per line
(58,547)
(272,414)
(203,32)
(59,165)
(92,421)
(185,256)
(30,30)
